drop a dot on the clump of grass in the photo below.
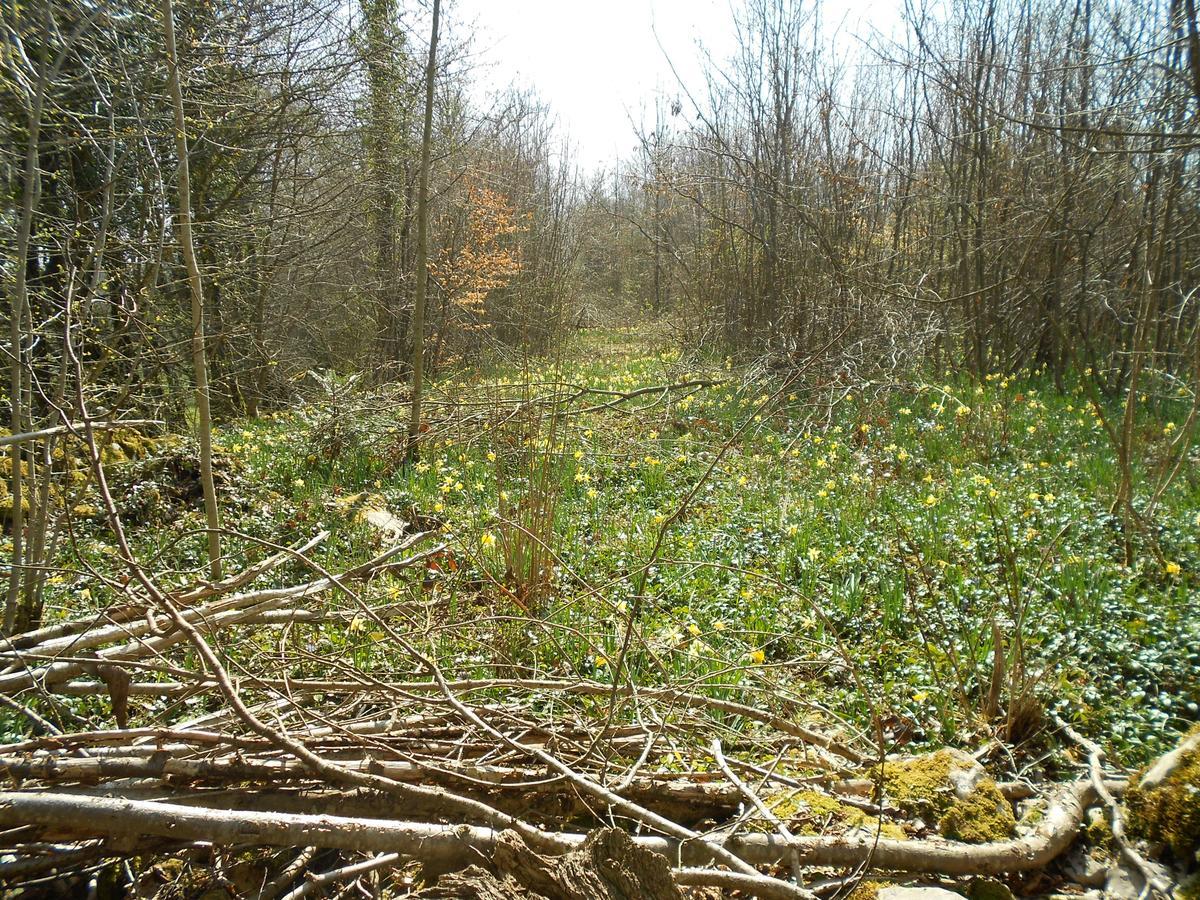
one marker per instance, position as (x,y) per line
(529,467)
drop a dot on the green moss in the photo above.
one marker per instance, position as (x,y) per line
(983,816)
(816,813)
(792,804)
(1035,812)
(135,444)
(867,890)
(361,507)
(6,463)
(1099,834)
(112,454)
(1189,889)
(124,445)
(988,889)
(6,498)
(921,785)
(1169,813)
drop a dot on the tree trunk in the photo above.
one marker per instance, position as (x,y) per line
(187,248)
(418,319)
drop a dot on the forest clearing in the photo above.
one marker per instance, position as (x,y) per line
(806,506)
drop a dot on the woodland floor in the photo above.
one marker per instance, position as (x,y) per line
(864,552)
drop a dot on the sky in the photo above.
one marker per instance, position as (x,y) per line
(601,63)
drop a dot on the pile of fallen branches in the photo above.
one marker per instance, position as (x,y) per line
(531,785)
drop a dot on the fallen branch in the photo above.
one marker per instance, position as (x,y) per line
(442,845)
(167,633)
(73,428)
(671,696)
(763,810)
(354,870)
(129,612)
(1150,876)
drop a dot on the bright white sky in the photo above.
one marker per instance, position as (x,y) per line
(599,62)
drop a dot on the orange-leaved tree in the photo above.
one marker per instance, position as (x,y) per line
(486,259)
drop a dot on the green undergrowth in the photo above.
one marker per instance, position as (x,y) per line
(847,555)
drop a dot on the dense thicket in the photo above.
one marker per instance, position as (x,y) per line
(303,119)
(301,127)
(1007,183)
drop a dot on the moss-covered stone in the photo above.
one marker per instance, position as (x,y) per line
(1169,813)
(984,815)
(988,889)
(6,501)
(6,463)
(6,497)
(923,785)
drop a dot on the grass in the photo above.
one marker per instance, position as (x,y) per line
(864,554)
